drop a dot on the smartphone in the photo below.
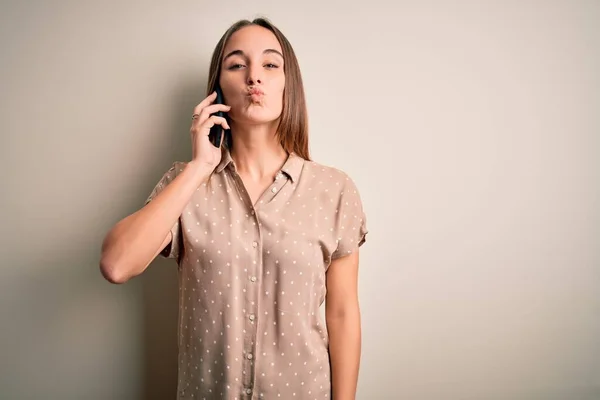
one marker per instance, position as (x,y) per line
(217,131)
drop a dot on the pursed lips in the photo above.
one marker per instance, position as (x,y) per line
(255,91)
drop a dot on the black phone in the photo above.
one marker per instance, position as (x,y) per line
(217,131)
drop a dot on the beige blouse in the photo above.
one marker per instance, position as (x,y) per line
(252,278)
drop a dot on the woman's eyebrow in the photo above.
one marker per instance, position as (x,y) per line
(241,53)
(273,51)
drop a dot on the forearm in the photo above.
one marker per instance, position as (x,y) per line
(132,244)
(344,352)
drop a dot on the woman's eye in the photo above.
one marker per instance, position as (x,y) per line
(235,66)
(271,66)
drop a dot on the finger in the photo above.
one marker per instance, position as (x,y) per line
(216,120)
(208,100)
(213,108)
(209,110)
(212,121)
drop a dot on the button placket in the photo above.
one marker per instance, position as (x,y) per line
(251,345)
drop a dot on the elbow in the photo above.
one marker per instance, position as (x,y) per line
(346,312)
(348,316)
(112,273)
(111,266)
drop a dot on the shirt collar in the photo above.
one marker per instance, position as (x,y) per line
(292,166)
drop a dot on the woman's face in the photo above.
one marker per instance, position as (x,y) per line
(252,77)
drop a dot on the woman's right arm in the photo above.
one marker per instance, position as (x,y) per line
(135,241)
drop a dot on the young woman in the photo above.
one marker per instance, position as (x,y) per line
(262,236)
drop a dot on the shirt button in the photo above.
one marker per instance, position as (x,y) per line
(249,391)
(249,356)
(252,317)
(254,244)
(251,212)
(253,279)
(273,189)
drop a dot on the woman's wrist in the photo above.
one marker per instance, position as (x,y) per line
(200,171)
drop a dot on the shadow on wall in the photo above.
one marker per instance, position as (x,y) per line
(160,280)
(160,307)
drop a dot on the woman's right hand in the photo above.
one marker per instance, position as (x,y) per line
(204,153)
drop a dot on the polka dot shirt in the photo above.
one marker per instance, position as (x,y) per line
(252,279)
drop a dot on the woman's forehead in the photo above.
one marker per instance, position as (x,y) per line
(252,39)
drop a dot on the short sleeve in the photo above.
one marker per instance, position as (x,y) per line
(172,250)
(350,220)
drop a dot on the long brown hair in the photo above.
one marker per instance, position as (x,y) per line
(292,131)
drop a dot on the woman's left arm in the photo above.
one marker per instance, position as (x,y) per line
(342,316)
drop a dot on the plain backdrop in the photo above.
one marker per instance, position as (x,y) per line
(472,129)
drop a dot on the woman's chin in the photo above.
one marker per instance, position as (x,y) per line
(257,116)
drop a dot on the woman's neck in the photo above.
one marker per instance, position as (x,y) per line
(257,153)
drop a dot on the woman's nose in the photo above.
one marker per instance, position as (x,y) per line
(253,80)
(253,76)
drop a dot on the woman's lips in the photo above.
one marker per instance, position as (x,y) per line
(256,95)
(255,91)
